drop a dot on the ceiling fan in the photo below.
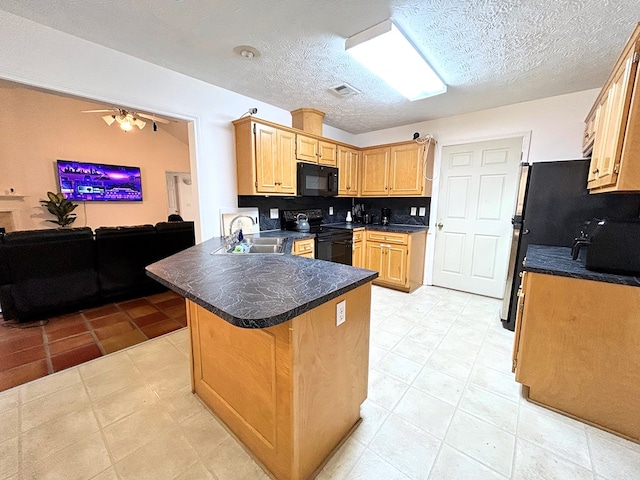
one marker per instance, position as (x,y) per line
(127,119)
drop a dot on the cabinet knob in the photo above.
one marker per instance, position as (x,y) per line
(595,170)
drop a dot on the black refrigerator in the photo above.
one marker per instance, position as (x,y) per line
(553,204)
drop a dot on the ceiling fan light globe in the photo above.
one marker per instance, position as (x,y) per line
(109,119)
(139,123)
(125,125)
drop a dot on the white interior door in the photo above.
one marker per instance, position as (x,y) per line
(473,230)
(180,195)
(173,206)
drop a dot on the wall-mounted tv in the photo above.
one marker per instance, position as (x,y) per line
(96,181)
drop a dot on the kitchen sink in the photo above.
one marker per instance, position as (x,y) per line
(269,245)
(264,240)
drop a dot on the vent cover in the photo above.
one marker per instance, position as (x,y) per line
(344,90)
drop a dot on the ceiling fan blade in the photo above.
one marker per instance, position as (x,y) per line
(111,110)
(152,117)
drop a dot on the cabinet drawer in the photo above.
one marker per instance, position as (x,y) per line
(304,247)
(358,235)
(388,237)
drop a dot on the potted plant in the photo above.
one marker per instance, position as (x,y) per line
(59,206)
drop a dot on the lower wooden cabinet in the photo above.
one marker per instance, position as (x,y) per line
(576,349)
(304,248)
(397,257)
(357,259)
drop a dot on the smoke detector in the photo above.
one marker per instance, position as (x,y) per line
(344,90)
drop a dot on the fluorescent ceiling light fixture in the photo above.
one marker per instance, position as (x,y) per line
(385,51)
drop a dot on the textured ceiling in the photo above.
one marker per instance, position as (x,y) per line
(489,52)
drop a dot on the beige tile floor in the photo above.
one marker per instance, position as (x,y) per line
(442,404)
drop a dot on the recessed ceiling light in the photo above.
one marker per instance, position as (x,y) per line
(246,51)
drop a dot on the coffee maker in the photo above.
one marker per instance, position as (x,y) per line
(386,216)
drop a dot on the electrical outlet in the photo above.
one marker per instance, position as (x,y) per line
(423,211)
(341,314)
(414,210)
(274,214)
(330,210)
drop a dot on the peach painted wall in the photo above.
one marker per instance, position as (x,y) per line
(38,128)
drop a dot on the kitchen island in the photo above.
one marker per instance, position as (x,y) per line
(279,347)
(576,340)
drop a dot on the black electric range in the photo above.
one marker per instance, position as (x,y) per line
(331,244)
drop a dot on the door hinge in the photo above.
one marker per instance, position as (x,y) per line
(616,168)
(256,184)
(636,57)
(254,128)
(514,365)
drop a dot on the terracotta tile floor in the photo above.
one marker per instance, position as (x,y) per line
(35,349)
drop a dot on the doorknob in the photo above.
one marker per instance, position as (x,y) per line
(440,225)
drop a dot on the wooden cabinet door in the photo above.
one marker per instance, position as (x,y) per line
(286,178)
(358,253)
(267,169)
(618,101)
(396,264)
(405,170)
(374,167)
(348,171)
(306,149)
(518,325)
(327,153)
(304,248)
(374,258)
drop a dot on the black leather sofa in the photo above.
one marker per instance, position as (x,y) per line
(47,272)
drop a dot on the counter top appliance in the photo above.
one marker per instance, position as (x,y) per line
(610,247)
(331,244)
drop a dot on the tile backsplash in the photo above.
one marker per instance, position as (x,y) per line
(400,208)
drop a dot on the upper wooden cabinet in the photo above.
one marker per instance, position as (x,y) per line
(265,159)
(312,150)
(398,170)
(374,172)
(267,153)
(614,125)
(347,171)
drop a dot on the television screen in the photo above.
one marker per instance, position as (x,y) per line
(93,181)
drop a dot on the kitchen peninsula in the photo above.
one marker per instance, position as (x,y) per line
(280,348)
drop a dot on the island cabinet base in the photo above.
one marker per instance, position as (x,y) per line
(577,350)
(291,393)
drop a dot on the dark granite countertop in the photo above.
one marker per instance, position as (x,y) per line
(558,261)
(256,290)
(395,227)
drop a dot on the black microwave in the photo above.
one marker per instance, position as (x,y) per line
(317,180)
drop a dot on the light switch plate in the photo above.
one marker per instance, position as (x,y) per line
(341,314)
(274,214)
(423,211)
(330,210)
(414,210)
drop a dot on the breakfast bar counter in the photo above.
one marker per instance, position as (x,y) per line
(280,349)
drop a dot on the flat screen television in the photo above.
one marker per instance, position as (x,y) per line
(96,181)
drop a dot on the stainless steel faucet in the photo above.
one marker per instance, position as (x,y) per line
(253,222)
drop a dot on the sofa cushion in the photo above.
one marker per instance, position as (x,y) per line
(50,270)
(122,255)
(173,237)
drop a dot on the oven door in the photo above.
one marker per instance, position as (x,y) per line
(335,247)
(317,180)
